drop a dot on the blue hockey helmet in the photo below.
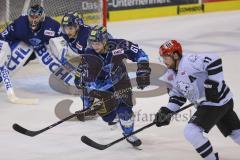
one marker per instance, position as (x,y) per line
(98,34)
(72,19)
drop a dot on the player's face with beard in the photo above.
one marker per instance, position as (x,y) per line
(98,47)
(71,31)
(34,21)
(169,62)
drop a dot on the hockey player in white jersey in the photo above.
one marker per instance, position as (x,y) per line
(199,79)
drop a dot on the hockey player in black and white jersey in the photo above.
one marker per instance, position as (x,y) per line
(193,77)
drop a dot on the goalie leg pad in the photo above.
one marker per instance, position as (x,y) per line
(20,53)
(4,52)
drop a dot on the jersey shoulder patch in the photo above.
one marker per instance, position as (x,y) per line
(118,51)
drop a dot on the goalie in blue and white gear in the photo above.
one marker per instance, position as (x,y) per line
(113,78)
(28,37)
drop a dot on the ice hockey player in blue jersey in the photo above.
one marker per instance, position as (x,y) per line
(199,79)
(75,32)
(27,34)
(113,77)
(35,29)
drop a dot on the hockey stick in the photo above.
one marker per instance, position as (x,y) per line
(98,146)
(10,92)
(17,100)
(30,133)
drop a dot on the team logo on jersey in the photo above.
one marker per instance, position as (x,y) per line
(49,33)
(184,87)
(79,46)
(35,41)
(193,58)
(118,51)
(170,77)
(183,73)
(187,90)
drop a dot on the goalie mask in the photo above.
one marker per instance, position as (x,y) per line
(71,22)
(36,16)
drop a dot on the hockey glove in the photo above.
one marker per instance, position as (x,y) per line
(87,115)
(163,117)
(211,90)
(78,80)
(143,74)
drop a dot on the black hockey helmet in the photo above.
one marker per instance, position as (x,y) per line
(36,10)
(36,14)
(98,34)
(72,19)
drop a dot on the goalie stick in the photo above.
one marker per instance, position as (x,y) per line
(99,146)
(10,92)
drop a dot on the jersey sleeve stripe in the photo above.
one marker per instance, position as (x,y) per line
(179,98)
(215,71)
(171,100)
(223,88)
(175,102)
(224,94)
(215,64)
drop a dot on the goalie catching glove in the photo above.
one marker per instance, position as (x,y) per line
(143,74)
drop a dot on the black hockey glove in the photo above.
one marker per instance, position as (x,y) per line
(211,90)
(87,115)
(163,117)
(143,74)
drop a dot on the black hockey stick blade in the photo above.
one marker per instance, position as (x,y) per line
(98,146)
(93,144)
(27,132)
(24,131)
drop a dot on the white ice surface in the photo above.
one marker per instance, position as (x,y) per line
(212,33)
